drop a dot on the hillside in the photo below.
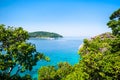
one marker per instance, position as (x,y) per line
(99,43)
(99,59)
(43,34)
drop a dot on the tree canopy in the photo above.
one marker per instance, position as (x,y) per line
(58,72)
(114,23)
(98,62)
(16,52)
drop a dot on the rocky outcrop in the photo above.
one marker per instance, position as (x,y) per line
(99,43)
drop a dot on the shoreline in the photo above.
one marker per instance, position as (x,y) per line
(44,38)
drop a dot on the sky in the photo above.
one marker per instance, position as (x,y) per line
(66,17)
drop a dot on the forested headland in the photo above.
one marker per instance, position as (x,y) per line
(44,35)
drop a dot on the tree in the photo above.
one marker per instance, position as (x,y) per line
(55,73)
(114,23)
(15,52)
(63,70)
(47,73)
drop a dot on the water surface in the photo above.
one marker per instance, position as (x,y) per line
(59,50)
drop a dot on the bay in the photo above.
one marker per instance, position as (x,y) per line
(58,50)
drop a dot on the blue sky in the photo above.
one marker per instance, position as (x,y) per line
(66,17)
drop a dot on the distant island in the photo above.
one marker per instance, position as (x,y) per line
(44,35)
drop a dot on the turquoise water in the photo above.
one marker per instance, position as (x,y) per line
(59,50)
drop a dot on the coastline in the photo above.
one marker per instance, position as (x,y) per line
(44,38)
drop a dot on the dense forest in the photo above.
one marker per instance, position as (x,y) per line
(43,34)
(100,56)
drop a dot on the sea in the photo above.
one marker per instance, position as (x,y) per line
(58,50)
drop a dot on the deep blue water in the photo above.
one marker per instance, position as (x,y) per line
(58,50)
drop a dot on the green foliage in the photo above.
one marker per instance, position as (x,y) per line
(16,52)
(42,34)
(98,44)
(63,69)
(53,73)
(4,76)
(98,60)
(114,22)
(115,45)
(46,73)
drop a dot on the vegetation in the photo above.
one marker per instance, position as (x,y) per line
(100,57)
(114,23)
(54,73)
(97,60)
(16,53)
(42,34)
